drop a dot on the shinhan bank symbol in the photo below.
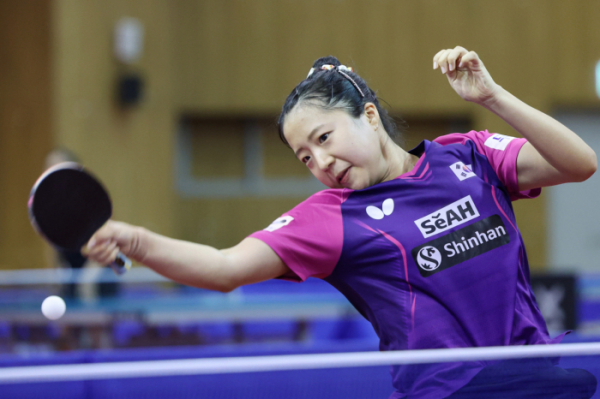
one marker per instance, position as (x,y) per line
(386,209)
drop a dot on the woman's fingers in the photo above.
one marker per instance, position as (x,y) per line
(442,60)
(454,55)
(471,58)
(104,233)
(467,74)
(103,253)
(102,245)
(449,59)
(436,59)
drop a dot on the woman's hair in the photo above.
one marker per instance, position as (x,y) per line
(336,88)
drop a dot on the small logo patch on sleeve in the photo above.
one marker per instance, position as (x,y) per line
(498,141)
(279,223)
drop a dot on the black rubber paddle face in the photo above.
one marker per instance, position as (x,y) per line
(67,206)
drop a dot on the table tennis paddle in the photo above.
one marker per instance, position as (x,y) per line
(67,205)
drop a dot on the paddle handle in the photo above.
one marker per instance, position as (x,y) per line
(121,264)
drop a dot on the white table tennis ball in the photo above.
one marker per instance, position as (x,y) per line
(53,307)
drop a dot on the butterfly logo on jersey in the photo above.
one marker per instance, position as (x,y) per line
(462,171)
(386,209)
(429,258)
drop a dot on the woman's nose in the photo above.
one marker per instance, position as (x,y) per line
(324,160)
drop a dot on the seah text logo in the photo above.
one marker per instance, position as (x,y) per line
(452,215)
(460,245)
(279,223)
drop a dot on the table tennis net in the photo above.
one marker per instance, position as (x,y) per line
(548,371)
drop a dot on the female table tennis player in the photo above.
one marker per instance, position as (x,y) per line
(423,242)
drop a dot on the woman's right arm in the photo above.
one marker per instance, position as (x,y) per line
(198,265)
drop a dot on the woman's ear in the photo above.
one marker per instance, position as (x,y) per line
(372,115)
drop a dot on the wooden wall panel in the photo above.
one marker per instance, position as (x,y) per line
(25,123)
(250,55)
(217,149)
(131,150)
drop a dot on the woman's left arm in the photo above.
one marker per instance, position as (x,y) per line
(553,155)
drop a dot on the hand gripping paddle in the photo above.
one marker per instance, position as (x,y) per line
(67,205)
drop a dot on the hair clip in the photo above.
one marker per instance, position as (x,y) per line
(328,67)
(342,69)
(344,74)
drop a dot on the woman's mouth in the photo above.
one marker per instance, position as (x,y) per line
(343,177)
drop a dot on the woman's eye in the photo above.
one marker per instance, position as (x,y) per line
(323,137)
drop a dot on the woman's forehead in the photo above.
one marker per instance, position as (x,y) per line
(303,119)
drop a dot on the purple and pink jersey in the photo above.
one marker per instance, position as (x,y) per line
(433,258)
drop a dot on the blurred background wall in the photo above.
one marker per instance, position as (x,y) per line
(211,68)
(26,128)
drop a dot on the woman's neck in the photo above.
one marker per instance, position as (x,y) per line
(398,160)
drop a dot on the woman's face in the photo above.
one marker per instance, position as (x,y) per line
(340,151)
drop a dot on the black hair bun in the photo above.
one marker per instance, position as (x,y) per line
(330,60)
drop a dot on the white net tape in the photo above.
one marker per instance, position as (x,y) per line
(77,372)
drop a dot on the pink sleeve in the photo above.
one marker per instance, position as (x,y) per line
(501,152)
(308,238)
